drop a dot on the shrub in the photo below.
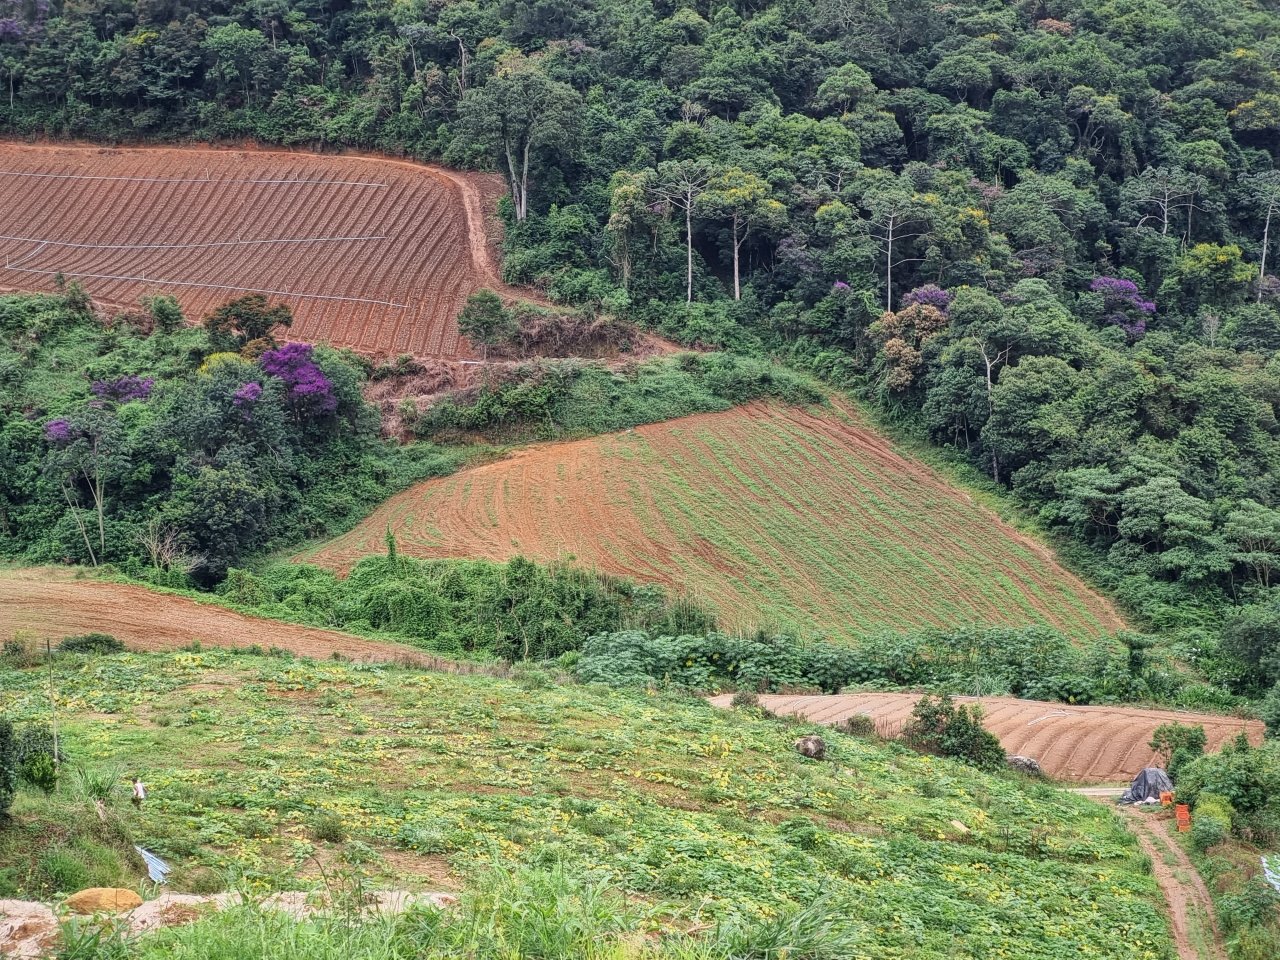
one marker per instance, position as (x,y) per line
(1169,738)
(91,643)
(1212,822)
(940,726)
(8,767)
(858,725)
(36,757)
(1245,777)
(328,827)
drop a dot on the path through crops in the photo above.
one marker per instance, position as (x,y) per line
(800,520)
(1070,742)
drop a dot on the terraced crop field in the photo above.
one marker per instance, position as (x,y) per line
(1070,742)
(800,520)
(377,255)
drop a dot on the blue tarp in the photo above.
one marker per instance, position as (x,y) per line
(157,869)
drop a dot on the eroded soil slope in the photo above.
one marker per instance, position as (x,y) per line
(805,521)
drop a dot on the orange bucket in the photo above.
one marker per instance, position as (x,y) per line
(1166,798)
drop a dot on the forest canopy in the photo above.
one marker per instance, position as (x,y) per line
(1040,233)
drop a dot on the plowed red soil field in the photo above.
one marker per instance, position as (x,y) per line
(50,602)
(800,520)
(1072,743)
(377,255)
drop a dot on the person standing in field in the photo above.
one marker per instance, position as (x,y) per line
(139,792)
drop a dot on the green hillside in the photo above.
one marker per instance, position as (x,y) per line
(699,816)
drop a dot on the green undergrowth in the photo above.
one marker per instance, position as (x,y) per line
(55,844)
(1036,663)
(261,767)
(555,399)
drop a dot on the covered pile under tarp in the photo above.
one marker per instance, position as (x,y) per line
(1147,787)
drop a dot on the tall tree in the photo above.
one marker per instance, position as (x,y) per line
(516,111)
(1263,189)
(678,186)
(745,201)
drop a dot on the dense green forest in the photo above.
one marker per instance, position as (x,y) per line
(1040,233)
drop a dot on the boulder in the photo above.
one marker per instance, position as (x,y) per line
(103,900)
(815,748)
(1028,765)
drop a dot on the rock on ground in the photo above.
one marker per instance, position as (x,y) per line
(103,900)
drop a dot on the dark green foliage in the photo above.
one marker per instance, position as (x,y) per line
(250,319)
(993,660)
(546,399)
(1247,778)
(484,320)
(1178,744)
(8,767)
(214,460)
(91,643)
(514,611)
(943,727)
(37,757)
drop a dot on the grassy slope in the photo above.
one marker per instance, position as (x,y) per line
(699,813)
(804,521)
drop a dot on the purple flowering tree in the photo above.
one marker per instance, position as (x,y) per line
(123,389)
(308,389)
(1123,305)
(247,394)
(930,295)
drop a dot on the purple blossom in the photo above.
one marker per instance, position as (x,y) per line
(307,386)
(839,287)
(930,295)
(123,389)
(1123,304)
(247,393)
(58,431)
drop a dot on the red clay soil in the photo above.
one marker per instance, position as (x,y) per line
(1071,743)
(1191,913)
(374,254)
(51,602)
(799,520)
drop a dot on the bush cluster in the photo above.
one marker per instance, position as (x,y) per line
(513,611)
(546,399)
(1033,662)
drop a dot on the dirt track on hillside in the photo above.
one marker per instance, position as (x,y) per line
(49,602)
(1071,743)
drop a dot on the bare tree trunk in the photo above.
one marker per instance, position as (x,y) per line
(66,495)
(737,285)
(513,177)
(688,247)
(888,269)
(524,184)
(1266,239)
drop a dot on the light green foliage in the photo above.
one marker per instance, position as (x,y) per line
(697,816)
(1211,824)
